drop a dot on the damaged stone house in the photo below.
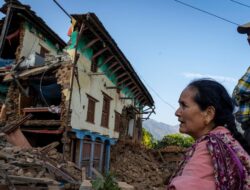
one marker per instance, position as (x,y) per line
(84,94)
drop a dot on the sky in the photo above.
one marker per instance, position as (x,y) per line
(168,43)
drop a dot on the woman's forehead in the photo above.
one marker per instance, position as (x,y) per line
(188,92)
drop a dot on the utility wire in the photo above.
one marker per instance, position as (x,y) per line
(206,12)
(60,6)
(157,94)
(245,5)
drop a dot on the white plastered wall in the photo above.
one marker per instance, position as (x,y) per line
(94,85)
(32,43)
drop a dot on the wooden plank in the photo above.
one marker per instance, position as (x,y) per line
(123,74)
(123,81)
(25,179)
(116,69)
(11,127)
(4,187)
(90,44)
(99,53)
(42,123)
(59,172)
(31,72)
(49,147)
(106,61)
(113,65)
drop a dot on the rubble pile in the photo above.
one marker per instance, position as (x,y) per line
(170,156)
(139,166)
(36,167)
(12,103)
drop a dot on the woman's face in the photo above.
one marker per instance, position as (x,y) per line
(192,119)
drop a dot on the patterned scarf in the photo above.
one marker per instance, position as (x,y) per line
(231,163)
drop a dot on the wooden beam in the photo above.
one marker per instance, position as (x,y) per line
(126,98)
(49,147)
(38,123)
(116,50)
(8,128)
(122,75)
(119,67)
(140,98)
(124,80)
(147,108)
(106,61)
(137,92)
(127,85)
(29,180)
(5,27)
(133,88)
(111,87)
(93,73)
(37,109)
(113,64)
(144,102)
(91,43)
(99,53)
(60,172)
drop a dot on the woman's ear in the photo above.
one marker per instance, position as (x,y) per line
(210,114)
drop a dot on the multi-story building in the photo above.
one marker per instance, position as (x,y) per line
(86,94)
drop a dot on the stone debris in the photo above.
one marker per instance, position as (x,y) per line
(143,168)
(36,167)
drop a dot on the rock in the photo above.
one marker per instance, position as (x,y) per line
(86,185)
(125,186)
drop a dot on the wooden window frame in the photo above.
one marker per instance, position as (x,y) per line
(91,112)
(105,110)
(117,121)
(93,67)
(43,51)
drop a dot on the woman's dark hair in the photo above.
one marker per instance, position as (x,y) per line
(212,93)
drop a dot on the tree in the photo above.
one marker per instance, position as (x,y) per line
(176,140)
(148,139)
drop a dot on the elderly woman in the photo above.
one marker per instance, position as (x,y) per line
(217,160)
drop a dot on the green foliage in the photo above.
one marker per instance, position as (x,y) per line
(105,183)
(148,139)
(176,140)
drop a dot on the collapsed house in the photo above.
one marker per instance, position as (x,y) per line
(84,94)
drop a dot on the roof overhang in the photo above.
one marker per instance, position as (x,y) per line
(30,16)
(114,58)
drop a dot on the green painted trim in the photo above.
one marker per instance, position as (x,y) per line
(88,53)
(4,88)
(3,92)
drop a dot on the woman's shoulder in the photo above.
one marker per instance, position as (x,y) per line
(220,130)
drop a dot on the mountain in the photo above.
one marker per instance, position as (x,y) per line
(159,129)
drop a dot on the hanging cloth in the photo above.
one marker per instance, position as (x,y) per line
(13,35)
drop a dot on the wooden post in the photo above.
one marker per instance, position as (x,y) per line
(83,174)
(80,154)
(101,157)
(107,163)
(91,162)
